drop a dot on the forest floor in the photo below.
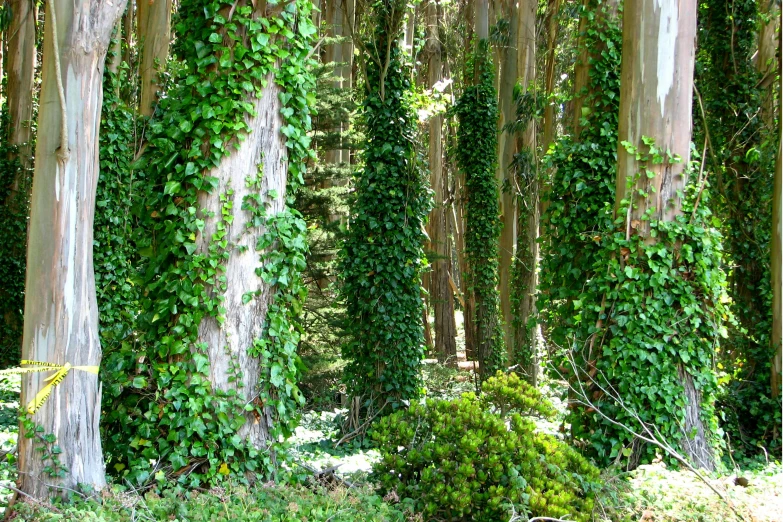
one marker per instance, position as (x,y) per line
(651,493)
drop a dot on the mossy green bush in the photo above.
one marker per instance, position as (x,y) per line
(478,458)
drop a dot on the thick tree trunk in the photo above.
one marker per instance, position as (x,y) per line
(153,27)
(441,296)
(505,175)
(228,345)
(61,313)
(659,39)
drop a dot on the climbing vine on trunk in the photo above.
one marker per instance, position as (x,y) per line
(477,142)
(382,258)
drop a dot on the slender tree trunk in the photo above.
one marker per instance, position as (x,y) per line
(441,295)
(655,101)
(552,25)
(504,174)
(777,261)
(128,34)
(61,313)
(116,49)
(767,60)
(153,26)
(525,339)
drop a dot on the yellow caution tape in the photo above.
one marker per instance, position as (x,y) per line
(51,381)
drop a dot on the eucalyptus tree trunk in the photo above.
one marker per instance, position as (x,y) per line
(777,261)
(767,60)
(441,295)
(153,26)
(552,27)
(261,153)
(526,256)
(61,313)
(504,173)
(655,101)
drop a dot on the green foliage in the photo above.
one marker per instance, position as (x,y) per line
(236,503)
(459,461)
(650,313)
(742,156)
(477,157)
(382,258)
(114,254)
(163,416)
(580,200)
(15,185)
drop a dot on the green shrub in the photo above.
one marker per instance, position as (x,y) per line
(480,459)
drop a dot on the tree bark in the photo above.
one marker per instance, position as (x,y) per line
(552,25)
(777,261)
(153,27)
(506,150)
(61,313)
(441,296)
(656,95)
(767,60)
(228,345)
(525,339)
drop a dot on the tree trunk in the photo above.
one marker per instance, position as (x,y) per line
(61,313)
(244,322)
(441,296)
(777,261)
(504,174)
(552,25)
(655,101)
(127,32)
(766,61)
(528,215)
(153,28)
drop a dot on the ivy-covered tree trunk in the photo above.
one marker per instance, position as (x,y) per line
(153,26)
(382,258)
(61,315)
(777,260)
(655,112)
(476,156)
(441,295)
(17,176)
(223,280)
(552,29)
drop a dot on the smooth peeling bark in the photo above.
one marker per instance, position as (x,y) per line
(777,263)
(61,313)
(659,39)
(153,26)
(228,345)
(441,295)
(656,96)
